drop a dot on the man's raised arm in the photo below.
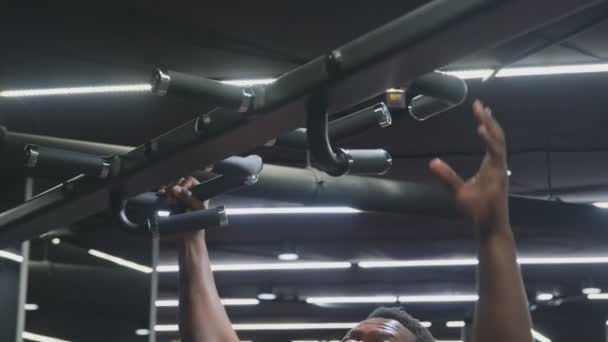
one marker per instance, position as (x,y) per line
(202,317)
(502,311)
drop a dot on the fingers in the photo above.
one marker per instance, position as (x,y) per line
(446,174)
(490,131)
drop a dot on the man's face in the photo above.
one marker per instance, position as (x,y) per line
(379,330)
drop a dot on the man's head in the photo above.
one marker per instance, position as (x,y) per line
(389,325)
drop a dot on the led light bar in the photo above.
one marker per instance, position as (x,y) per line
(455,324)
(540,337)
(418,263)
(474,262)
(120,261)
(352,300)
(123,88)
(531,71)
(291,210)
(279,266)
(165,303)
(591,290)
(40,338)
(439,298)
(280,326)
(142,332)
(597,296)
(11,256)
(31,307)
(251,82)
(543,297)
(601,205)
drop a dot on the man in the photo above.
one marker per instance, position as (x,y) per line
(502,311)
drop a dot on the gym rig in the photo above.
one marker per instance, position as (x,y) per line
(401,54)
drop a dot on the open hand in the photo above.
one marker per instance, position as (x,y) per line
(483,197)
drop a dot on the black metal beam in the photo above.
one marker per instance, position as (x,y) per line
(445,31)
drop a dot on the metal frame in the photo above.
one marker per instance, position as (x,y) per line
(395,54)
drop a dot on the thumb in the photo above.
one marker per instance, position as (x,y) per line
(446,174)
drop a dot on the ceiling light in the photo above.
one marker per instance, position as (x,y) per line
(142,332)
(591,290)
(439,298)
(251,82)
(352,300)
(267,293)
(40,338)
(283,266)
(124,88)
(280,326)
(31,307)
(165,303)
(543,297)
(11,256)
(163,213)
(473,262)
(597,296)
(540,337)
(120,261)
(509,173)
(530,71)
(56,241)
(418,263)
(602,205)
(562,260)
(288,256)
(455,324)
(291,210)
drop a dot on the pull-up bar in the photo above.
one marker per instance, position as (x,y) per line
(391,56)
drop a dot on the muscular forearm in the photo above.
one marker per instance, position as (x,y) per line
(202,317)
(502,313)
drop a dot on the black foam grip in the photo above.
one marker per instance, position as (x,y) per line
(441,86)
(204,89)
(54,159)
(368,161)
(188,222)
(239,167)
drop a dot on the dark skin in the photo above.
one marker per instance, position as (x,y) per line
(502,311)
(379,330)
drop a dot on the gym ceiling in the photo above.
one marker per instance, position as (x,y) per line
(555,125)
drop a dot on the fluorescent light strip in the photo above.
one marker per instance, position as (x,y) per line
(291,210)
(455,324)
(123,88)
(601,205)
(120,261)
(531,71)
(418,263)
(352,300)
(165,303)
(540,337)
(282,266)
(474,262)
(280,326)
(563,260)
(40,338)
(251,82)
(597,296)
(439,298)
(31,307)
(11,256)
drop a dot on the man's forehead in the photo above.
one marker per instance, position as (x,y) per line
(380,330)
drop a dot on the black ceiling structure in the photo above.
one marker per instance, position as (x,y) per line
(555,126)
